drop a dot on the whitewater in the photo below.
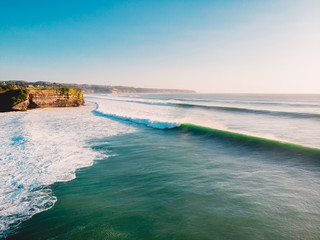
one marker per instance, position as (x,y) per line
(39,148)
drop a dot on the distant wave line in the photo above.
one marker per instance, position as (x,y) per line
(253,111)
(225,108)
(138,101)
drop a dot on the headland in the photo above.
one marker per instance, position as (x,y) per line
(22,99)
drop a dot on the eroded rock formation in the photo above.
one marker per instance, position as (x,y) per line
(23,99)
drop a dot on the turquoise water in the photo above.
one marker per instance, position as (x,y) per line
(150,180)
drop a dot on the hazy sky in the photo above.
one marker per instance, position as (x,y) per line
(270,46)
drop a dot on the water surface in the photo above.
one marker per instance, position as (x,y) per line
(170,167)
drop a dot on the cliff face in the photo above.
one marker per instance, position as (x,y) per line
(21,100)
(64,97)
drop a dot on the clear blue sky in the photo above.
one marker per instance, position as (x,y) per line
(209,46)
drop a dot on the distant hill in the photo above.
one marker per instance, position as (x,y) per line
(87,88)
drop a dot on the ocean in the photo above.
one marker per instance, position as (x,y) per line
(163,166)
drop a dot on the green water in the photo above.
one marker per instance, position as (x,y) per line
(173,184)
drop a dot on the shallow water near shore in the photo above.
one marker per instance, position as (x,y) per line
(155,178)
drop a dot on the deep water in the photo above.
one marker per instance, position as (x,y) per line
(152,181)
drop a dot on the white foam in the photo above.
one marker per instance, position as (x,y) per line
(153,116)
(41,147)
(145,121)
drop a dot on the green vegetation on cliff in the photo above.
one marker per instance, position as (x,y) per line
(9,99)
(21,96)
(64,90)
(6,87)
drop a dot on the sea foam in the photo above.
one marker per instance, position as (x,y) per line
(159,116)
(41,147)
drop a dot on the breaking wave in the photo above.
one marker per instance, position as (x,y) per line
(238,137)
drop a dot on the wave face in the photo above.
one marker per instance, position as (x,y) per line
(42,147)
(253,140)
(234,114)
(147,122)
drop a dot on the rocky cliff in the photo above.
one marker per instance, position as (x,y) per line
(23,99)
